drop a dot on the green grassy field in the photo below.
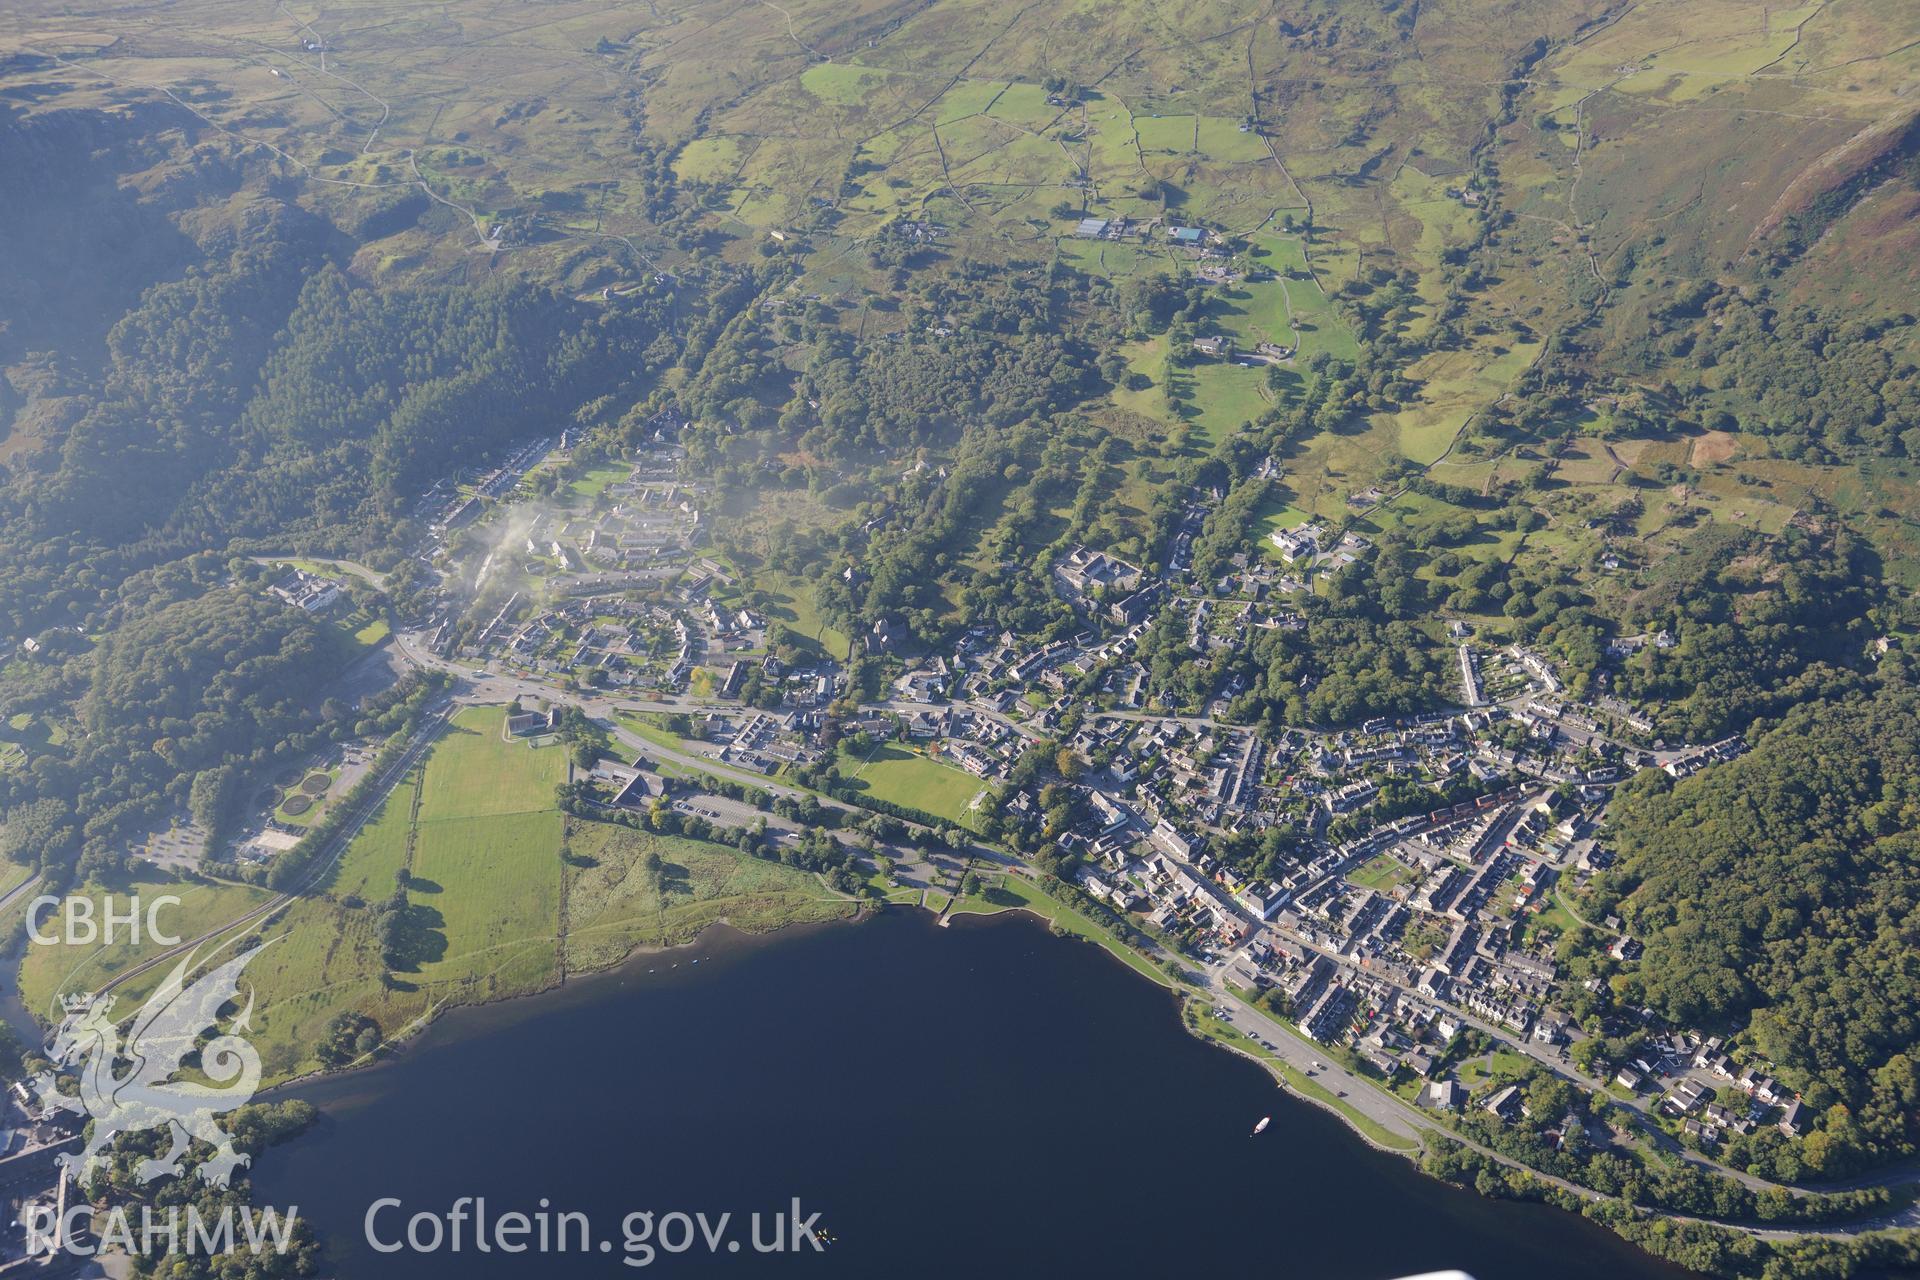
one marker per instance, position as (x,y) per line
(642,724)
(615,906)
(703,160)
(504,896)
(1456,385)
(49,970)
(488,888)
(595,482)
(324,959)
(475,772)
(483,849)
(1220,397)
(903,777)
(1555,917)
(1274,518)
(1294,303)
(371,866)
(1503,1064)
(792,603)
(1382,873)
(372,632)
(491,871)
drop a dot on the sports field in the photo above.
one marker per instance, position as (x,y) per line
(903,777)
(476,772)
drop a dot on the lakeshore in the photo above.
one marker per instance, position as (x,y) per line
(984,1094)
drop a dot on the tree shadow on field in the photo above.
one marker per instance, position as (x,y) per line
(675,881)
(416,938)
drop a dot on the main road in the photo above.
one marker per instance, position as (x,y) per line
(479,685)
(1382,1108)
(1396,1116)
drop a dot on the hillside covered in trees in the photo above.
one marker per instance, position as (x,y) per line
(264,396)
(1779,898)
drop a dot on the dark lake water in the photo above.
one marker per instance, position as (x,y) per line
(984,1099)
